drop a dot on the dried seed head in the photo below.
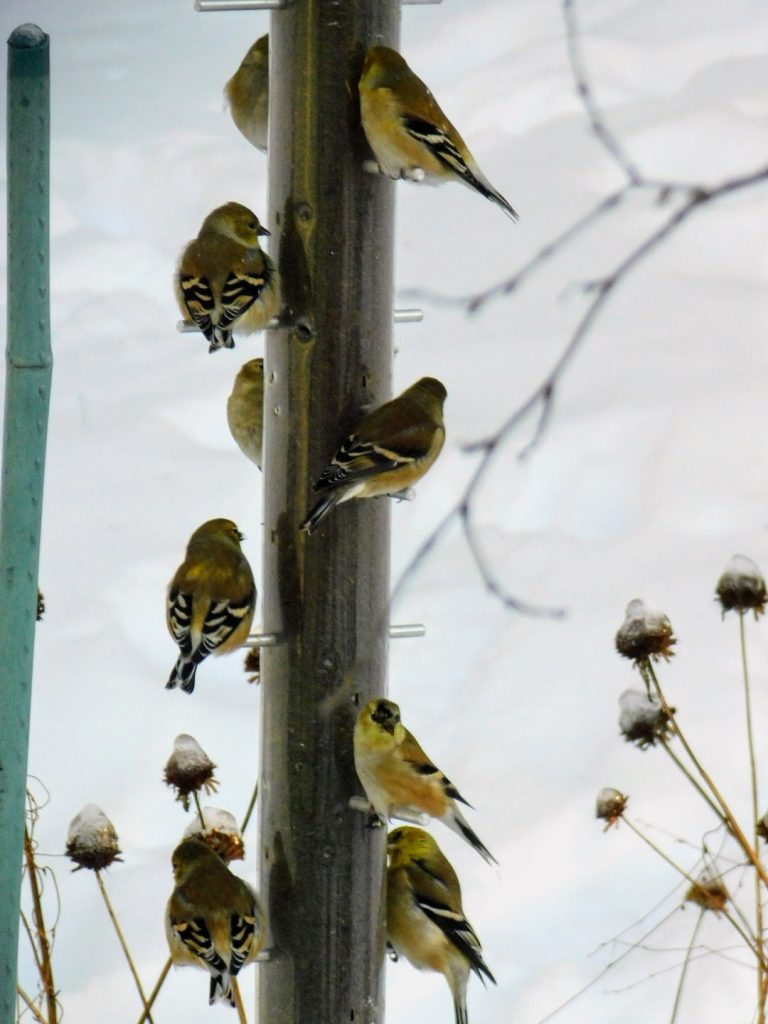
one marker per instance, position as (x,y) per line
(189,769)
(708,893)
(252,665)
(741,587)
(92,839)
(610,805)
(642,720)
(762,827)
(221,833)
(645,633)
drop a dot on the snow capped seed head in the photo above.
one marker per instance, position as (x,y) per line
(642,720)
(741,587)
(610,805)
(645,633)
(189,769)
(708,893)
(92,839)
(221,833)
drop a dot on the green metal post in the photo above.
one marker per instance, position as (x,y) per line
(27,393)
(325,596)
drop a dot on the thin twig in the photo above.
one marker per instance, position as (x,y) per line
(584,89)
(647,667)
(684,970)
(749,940)
(242,1019)
(693,781)
(124,944)
(625,953)
(251,805)
(45,965)
(755,820)
(25,998)
(155,991)
(199,809)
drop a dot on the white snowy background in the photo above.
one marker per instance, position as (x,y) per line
(652,474)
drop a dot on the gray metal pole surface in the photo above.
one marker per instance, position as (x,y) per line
(27,392)
(325,596)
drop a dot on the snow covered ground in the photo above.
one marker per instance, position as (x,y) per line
(651,476)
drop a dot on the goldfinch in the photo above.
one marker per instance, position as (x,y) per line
(390,449)
(213,919)
(245,410)
(425,921)
(211,599)
(408,132)
(395,772)
(224,281)
(247,93)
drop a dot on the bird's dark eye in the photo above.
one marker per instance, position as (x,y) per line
(252,225)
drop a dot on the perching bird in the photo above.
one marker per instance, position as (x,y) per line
(247,92)
(210,600)
(395,772)
(390,449)
(224,281)
(245,410)
(213,919)
(425,921)
(408,132)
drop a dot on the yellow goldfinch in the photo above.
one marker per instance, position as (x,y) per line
(211,599)
(213,919)
(408,132)
(224,281)
(247,93)
(395,772)
(425,922)
(245,410)
(391,448)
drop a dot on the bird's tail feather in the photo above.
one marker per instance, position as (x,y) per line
(320,511)
(183,675)
(455,820)
(221,989)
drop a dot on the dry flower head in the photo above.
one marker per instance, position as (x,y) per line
(221,833)
(645,633)
(742,587)
(610,805)
(92,840)
(189,769)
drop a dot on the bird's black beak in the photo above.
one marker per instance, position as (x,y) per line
(263,231)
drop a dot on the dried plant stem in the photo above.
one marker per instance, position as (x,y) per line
(684,971)
(251,805)
(123,943)
(694,782)
(646,669)
(755,821)
(155,991)
(242,1019)
(30,1005)
(749,940)
(44,963)
(199,810)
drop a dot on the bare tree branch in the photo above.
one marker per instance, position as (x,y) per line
(692,198)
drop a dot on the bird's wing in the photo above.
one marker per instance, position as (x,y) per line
(179,610)
(221,620)
(358,458)
(453,925)
(199,300)
(412,753)
(196,937)
(243,935)
(240,291)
